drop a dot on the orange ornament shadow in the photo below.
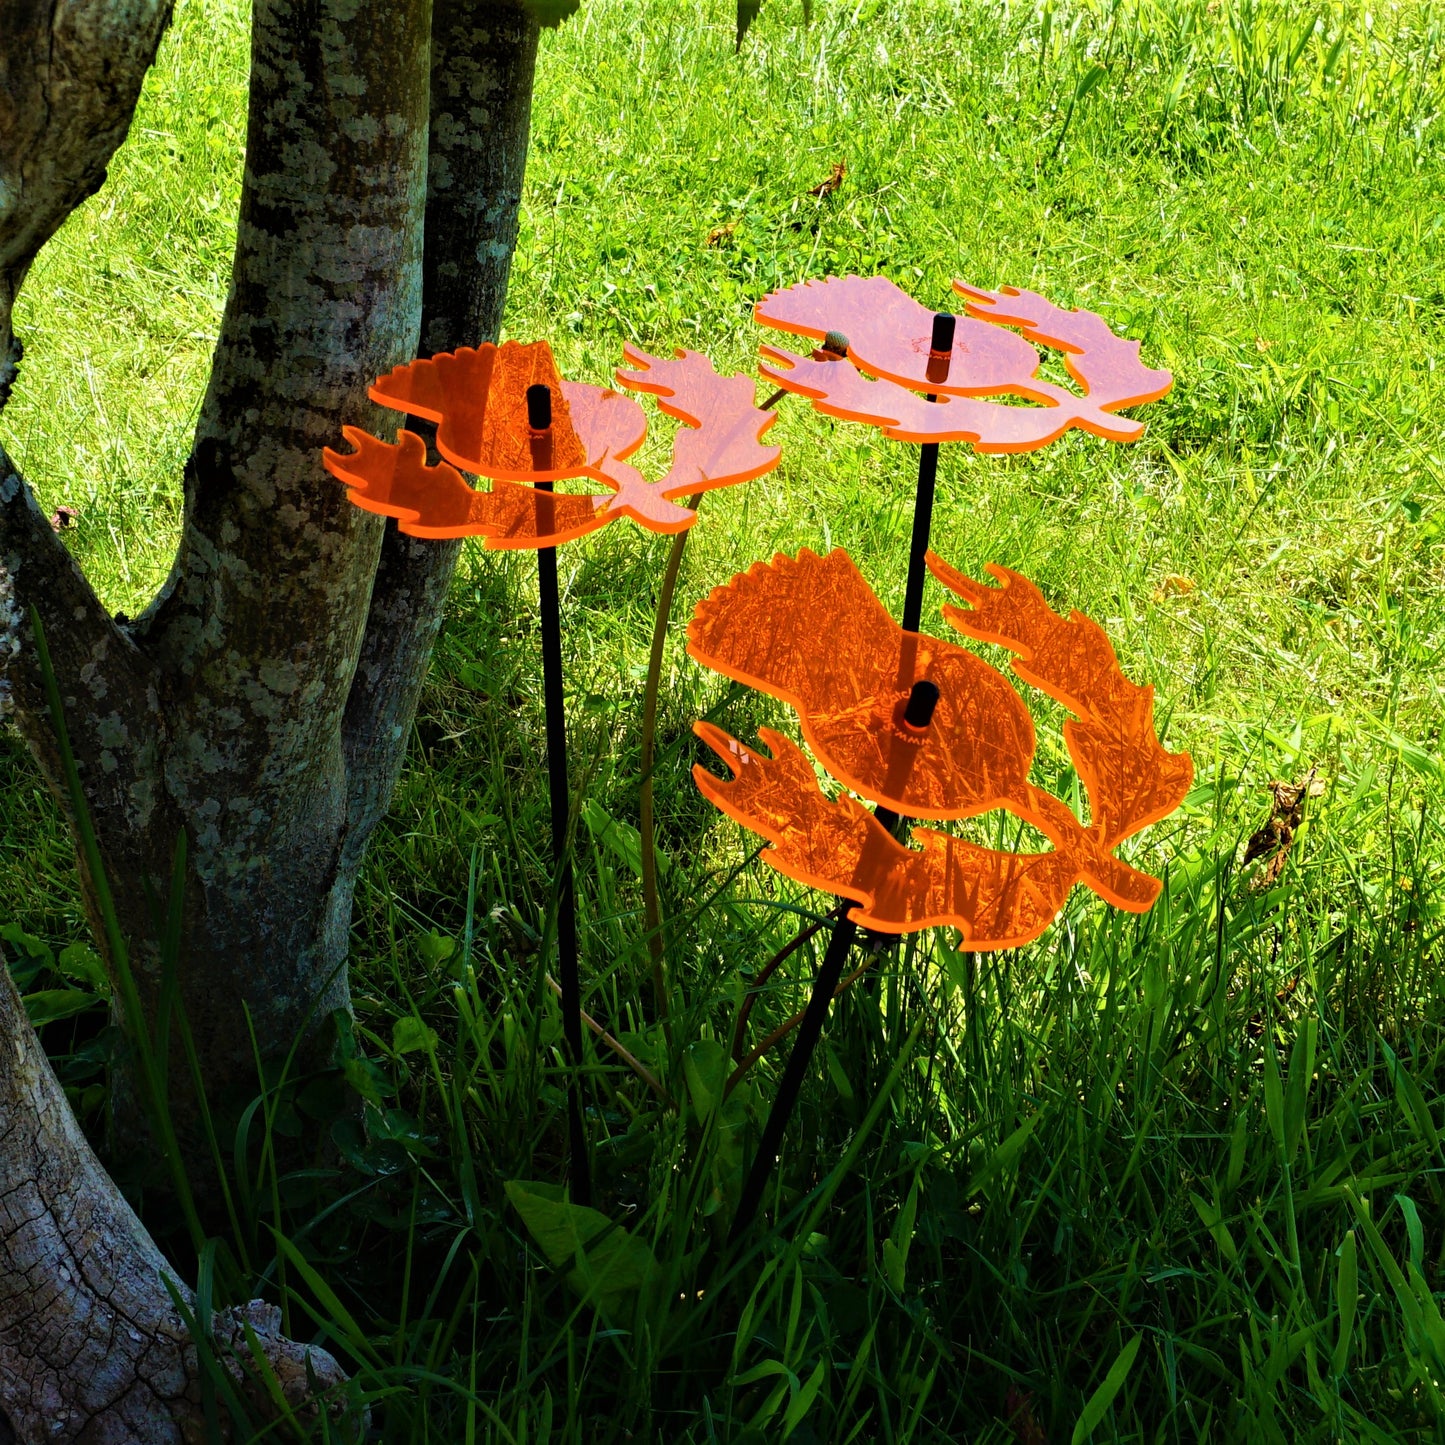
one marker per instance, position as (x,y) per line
(809,632)
(477,398)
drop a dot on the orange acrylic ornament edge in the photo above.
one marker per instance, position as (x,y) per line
(996,899)
(888,338)
(595,429)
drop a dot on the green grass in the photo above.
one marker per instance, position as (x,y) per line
(1178,1130)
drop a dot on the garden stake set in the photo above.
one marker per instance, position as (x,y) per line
(916,725)
(505,413)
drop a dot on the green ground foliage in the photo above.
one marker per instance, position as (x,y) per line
(1168,1178)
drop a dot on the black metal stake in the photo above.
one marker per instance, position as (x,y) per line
(539,419)
(939,361)
(918,713)
(794,1072)
(922,699)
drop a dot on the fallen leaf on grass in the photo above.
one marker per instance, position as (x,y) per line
(719,234)
(1272,842)
(1018,1405)
(1174,585)
(835,179)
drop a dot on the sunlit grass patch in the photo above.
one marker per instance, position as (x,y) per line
(1147,1142)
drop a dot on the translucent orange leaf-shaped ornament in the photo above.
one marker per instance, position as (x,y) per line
(1131,780)
(1105,365)
(889,336)
(719,444)
(809,632)
(394,480)
(478,399)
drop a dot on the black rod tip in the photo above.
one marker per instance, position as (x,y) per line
(539,406)
(836,342)
(922,699)
(944,324)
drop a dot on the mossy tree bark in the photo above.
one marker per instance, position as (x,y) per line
(261,704)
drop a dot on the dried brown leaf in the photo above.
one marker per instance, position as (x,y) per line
(1018,1405)
(1272,842)
(835,179)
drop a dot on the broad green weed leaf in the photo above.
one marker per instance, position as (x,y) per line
(363,1074)
(1273,1093)
(765,1371)
(28,955)
(24,943)
(79,963)
(436,947)
(608,1265)
(802,1401)
(838,1074)
(1004,1155)
(1414,1230)
(1424,1331)
(620,839)
(50,1004)
(1410,1099)
(409,1035)
(705,1067)
(1099,1402)
(1212,1218)
(1301,1071)
(895,1247)
(895,1263)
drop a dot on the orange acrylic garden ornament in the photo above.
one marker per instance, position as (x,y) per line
(478,400)
(809,631)
(894,338)
(504,412)
(915,724)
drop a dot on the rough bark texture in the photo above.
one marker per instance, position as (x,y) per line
(220,711)
(70,72)
(483,57)
(482,61)
(92,1346)
(261,704)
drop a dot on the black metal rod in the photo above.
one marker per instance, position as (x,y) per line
(794,1072)
(922,699)
(539,418)
(922,526)
(567,973)
(940,359)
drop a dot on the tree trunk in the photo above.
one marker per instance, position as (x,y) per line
(92,1345)
(482,61)
(69,78)
(262,704)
